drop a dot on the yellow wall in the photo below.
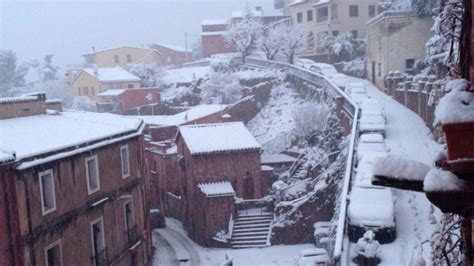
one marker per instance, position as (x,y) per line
(338,19)
(106,58)
(388,44)
(94,87)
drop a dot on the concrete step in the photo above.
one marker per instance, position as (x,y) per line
(261,221)
(248,246)
(243,226)
(250,229)
(249,242)
(253,217)
(257,237)
(262,233)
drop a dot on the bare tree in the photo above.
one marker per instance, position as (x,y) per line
(271,41)
(244,35)
(293,40)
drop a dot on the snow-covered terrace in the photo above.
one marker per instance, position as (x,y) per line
(190,115)
(220,137)
(111,74)
(57,134)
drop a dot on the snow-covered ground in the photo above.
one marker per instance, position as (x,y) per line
(406,137)
(172,244)
(273,125)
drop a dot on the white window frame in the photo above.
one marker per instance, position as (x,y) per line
(125,147)
(101,221)
(89,190)
(52,245)
(40,176)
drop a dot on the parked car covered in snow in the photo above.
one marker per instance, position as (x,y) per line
(372,124)
(304,62)
(313,256)
(365,213)
(370,143)
(323,68)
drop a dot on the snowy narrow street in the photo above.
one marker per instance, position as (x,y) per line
(406,137)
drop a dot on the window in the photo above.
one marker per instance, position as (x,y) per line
(48,198)
(322,14)
(409,63)
(130,86)
(92,174)
(52,254)
(354,33)
(371,11)
(379,69)
(116,59)
(129,58)
(125,161)
(335,33)
(130,227)
(299,17)
(98,242)
(79,91)
(353,11)
(309,15)
(93,90)
(85,90)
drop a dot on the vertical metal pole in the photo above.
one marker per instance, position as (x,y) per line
(186,46)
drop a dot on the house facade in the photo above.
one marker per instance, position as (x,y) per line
(121,101)
(122,57)
(92,81)
(172,55)
(74,198)
(389,49)
(330,17)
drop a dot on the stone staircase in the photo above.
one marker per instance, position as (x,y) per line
(252,230)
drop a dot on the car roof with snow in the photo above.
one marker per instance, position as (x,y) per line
(371,206)
(371,138)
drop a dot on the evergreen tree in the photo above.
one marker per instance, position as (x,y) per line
(11,76)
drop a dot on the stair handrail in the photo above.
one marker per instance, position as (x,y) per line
(296,164)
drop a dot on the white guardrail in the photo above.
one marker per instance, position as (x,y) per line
(351,109)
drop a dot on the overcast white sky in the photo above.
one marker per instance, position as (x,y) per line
(70,28)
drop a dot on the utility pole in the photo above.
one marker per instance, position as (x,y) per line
(186,45)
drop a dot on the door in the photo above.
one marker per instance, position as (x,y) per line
(373,72)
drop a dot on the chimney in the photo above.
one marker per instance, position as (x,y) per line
(259,10)
(93,49)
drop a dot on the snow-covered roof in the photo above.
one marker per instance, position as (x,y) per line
(297,2)
(322,2)
(363,210)
(212,33)
(220,137)
(188,74)
(209,22)
(371,138)
(192,114)
(112,92)
(277,158)
(6,157)
(111,74)
(119,47)
(240,13)
(217,189)
(173,47)
(18,99)
(267,168)
(55,132)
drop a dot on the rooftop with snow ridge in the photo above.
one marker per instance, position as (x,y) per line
(194,113)
(111,74)
(39,134)
(217,189)
(216,138)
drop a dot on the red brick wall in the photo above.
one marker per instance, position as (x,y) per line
(171,57)
(214,44)
(267,180)
(10,242)
(137,97)
(74,210)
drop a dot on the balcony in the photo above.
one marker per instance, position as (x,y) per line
(132,235)
(100,258)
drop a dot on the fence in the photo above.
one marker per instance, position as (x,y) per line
(350,108)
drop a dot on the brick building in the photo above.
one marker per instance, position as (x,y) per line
(120,101)
(72,186)
(172,55)
(216,156)
(213,30)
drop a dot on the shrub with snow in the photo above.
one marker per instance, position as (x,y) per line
(343,47)
(83,103)
(151,75)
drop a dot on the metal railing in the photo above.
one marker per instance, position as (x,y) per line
(351,108)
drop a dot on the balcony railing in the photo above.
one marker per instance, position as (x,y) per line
(132,235)
(100,258)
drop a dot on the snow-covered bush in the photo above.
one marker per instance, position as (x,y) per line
(343,47)
(83,103)
(151,75)
(54,89)
(311,118)
(221,88)
(355,68)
